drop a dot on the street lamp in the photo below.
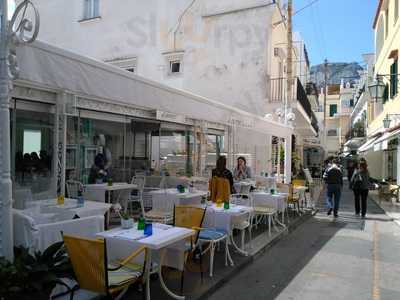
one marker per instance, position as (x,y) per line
(377,88)
(20,30)
(387,120)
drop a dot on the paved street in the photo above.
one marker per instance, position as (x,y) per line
(347,258)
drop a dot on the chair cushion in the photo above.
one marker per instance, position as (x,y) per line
(264,210)
(129,272)
(211,234)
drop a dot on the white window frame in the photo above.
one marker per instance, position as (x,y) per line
(91,9)
(174,57)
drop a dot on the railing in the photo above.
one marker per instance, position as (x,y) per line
(278,94)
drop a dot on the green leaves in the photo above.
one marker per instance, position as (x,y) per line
(35,274)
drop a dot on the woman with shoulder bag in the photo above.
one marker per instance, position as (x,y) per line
(360,184)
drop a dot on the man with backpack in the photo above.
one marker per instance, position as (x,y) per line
(334,179)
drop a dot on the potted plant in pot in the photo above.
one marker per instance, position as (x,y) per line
(126,220)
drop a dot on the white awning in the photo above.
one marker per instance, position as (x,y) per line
(369,144)
(382,142)
(57,69)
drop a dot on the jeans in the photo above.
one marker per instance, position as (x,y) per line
(360,195)
(333,197)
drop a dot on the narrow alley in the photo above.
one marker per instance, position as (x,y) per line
(346,258)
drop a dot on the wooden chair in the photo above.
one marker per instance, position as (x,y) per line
(293,197)
(190,217)
(95,274)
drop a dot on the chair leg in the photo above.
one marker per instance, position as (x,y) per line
(269,225)
(242,238)
(227,252)
(201,266)
(212,250)
(182,278)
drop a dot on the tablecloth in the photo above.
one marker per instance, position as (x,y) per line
(165,199)
(220,218)
(277,201)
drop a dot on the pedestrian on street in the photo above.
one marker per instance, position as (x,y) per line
(334,179)
(360,185)
(351,166)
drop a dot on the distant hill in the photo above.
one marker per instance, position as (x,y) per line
(336,71)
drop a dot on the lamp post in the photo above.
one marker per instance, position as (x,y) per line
(19,30)
(387,120)
(377,88)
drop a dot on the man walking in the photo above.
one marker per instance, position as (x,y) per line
(334,179)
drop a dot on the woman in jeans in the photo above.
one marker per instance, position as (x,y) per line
(360,183)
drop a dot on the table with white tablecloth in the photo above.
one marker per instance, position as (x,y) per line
(39,225)
(48,211)
(165,199)
(277,201)
(163,238)
(97,192)
(220,218)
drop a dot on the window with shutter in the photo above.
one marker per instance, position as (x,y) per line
(91,9)
(393,79)
(332,110)
(385,94)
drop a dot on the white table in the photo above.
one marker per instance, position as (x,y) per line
(163,236)
(96,192)
(165,199)
(277,201)
(48,211)
(237,185)
(220,218)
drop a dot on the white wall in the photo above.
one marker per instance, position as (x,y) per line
(227,49)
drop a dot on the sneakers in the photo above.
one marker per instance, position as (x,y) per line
(329,212)
(335,215)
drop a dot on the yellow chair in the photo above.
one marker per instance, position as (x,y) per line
(298,182)
(293,198)
(220,189)
(190,217)
(94,273)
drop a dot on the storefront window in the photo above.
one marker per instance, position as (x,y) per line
(32,140)
(96,134)
(215,148)
(176,147)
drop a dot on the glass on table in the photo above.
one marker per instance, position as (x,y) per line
(148,229)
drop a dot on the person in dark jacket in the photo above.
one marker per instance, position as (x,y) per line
(334,179)
(222,171)
(360,186)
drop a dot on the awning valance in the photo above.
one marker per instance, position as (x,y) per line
(368,144)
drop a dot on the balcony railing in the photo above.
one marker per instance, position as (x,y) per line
(278,94)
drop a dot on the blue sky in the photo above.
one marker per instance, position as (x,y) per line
(339,30)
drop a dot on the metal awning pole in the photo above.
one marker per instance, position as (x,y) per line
(6,233)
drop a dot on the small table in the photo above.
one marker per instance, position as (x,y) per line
(220,218)
(96,192)
(46,211)
(277,201)
(165,199)
(163,236)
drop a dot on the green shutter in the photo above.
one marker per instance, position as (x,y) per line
(386,94)
(393,79)
(332,110)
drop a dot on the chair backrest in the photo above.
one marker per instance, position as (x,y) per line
(219,189)
(154,181)
(241,199)
(245,189)
(140,181)
(298,182)
(173,182)
(283,187)
(89,261)
(189,217)
(73,187)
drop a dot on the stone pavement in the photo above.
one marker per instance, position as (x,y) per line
(326,258)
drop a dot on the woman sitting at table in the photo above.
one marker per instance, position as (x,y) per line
(221,183)
(98,174)
(242,171)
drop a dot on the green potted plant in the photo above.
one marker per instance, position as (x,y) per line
(33,276)
(126,220)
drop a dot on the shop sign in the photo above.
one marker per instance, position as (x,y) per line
(170,117)
(243,122)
